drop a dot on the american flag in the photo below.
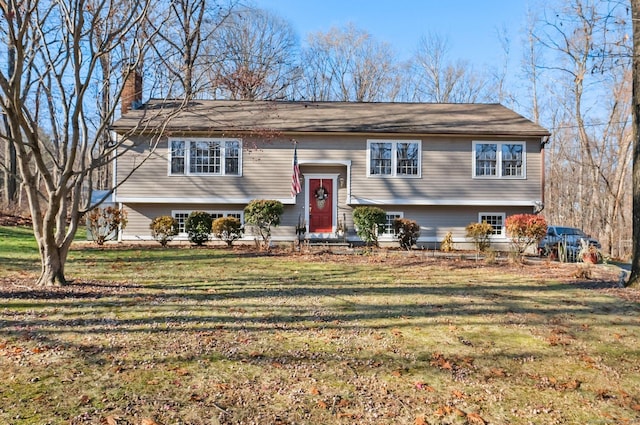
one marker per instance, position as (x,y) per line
(295,178)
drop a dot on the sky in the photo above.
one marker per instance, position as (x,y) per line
(470,27)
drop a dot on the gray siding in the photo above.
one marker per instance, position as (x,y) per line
(266,173)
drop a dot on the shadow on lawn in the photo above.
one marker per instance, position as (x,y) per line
(264,305)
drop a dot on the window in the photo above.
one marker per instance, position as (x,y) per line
(388,227)
(394,158)
(181,217)
(496,220)
(206,156)
(499,159)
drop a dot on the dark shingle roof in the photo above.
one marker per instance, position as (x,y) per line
(332,117)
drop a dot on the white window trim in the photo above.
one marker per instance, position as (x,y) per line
(187,156)
(390,236)
(224,212)
(394,159)
(503,233)
(499,159)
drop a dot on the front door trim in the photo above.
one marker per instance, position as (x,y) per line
(333,177)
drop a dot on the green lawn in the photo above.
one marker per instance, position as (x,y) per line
(207,336)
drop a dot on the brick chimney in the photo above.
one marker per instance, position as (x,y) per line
(132,91)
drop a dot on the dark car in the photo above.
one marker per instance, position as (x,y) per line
(569,236)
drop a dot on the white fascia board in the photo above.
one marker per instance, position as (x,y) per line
(447,202)
(175,200)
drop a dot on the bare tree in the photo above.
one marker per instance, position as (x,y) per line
(348,64)
(437,79)
(634,278)
(257,54)
(10,163)
(49,101)
(181,56)
(584,42)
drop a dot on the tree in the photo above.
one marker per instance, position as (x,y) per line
(634,277)
(347,65)
(369,222)
(257,52)
(583,51)
(525,230)
(183,50)
(262,214)
(435,79)
(51,90)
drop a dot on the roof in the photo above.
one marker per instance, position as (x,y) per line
(328,117)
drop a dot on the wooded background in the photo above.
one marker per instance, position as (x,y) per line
(574,78)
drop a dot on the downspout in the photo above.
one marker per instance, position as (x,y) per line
(543,143)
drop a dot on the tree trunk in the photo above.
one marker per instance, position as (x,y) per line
(53,259)
(634,278)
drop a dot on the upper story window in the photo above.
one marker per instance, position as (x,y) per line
(504,159)
(394,158)
(206,156)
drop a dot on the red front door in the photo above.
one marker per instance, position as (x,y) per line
(320,205)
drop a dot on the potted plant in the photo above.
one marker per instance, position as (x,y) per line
(588,252)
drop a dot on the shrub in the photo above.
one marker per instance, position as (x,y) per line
(480,233)
(198,227)
(262,214)
(163,229)
(103,223)
(407,232)
(447,243)
(369,222)
(227,229)
(525,230)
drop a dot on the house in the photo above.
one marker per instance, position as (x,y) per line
(442,165)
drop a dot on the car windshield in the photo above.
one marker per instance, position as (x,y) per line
(567,231)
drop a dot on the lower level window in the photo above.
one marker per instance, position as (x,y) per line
(388,226)
(496,220)
(181,217)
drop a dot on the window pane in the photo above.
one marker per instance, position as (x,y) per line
(232,158)
(380,154)
(388,226)
(204,157)
(512,160)
(407,157)
(177,157)
(495,221)
(181,218)
(486,159)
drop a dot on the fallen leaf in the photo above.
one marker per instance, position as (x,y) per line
(314,391)
(343,403)
(475,419)
(457,394)
(420,420)
(148,421)
(110,420)
(85,399)
(322,404)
